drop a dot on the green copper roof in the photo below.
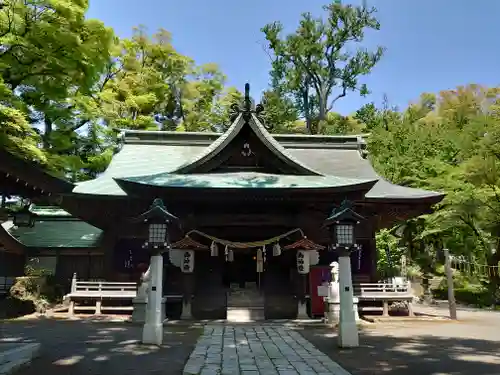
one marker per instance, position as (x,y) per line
(151,153)
(245,180)
(53,233)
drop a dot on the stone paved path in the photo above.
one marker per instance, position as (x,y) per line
(254,350)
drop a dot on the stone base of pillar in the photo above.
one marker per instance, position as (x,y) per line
(152,334)
(333,311)
(186,311)
(348,335)
(140,306)
(139,312)
(355,308)
(302,310)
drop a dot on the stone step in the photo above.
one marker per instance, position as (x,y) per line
(13,356)
(245,302)
(244,314)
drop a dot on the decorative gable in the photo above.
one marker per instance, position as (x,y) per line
(246,146)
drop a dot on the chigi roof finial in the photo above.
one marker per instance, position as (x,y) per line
(247,109)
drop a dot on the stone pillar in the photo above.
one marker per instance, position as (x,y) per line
(188,280)
(141,300)
(153,328)
(186,309)
(302,309)
(348,331)
(302,296)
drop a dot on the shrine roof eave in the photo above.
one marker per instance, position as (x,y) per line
(430,198)
(33,174)
(243,181)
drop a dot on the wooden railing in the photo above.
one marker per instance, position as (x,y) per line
(385,293)
(383,290)
(98,291)
(103,288)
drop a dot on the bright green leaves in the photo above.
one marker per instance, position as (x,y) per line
(76,82)
(448,143)
(316,65)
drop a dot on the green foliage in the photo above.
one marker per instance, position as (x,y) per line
(280,112)
(317,64)
(67,83)
(221,112)
(447,143)
(472,295)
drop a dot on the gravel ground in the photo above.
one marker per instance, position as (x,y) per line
(470,346)
(99,348)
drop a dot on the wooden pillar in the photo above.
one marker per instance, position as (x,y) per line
(107,246)
(372,247)
(188,284)
(373,259)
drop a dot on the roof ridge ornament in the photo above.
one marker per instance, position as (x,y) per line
(248,108)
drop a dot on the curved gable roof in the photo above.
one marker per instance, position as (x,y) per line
(262,134)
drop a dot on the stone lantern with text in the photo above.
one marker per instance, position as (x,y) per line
(158,220)
(342,225)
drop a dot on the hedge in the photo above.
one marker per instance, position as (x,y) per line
(479,297)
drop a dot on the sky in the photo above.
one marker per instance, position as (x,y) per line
(432,45)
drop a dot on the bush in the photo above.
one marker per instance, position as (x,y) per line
(40,290)
(474,295)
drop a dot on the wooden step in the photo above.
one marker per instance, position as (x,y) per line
(244,314)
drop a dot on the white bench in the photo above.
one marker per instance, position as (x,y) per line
(100,291)
(387,293)
(5,284)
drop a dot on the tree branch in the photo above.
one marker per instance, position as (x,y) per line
(341,95)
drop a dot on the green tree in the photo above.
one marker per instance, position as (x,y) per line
(221,112)
(279,111)
(318,59)
(51,54)
(448,143)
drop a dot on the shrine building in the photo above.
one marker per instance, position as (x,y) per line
(248,201)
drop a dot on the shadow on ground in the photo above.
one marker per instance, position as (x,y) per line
(398,350)
(86,347)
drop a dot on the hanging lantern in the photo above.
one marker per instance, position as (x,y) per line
(226,253)
(214,250)
(302,262)
(313,257)
(230,255)
(276,249)
(264,254)
(175,257)
(187,261)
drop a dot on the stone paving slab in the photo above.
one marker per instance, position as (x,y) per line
(257,350)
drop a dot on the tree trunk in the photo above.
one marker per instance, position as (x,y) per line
(307,110)
(323,103)
(47,133)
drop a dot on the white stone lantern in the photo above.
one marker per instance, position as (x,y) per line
(158,220)
(342,224)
